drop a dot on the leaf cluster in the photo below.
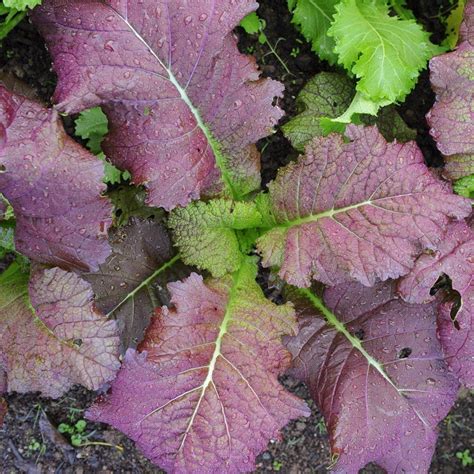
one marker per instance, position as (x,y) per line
(155,289)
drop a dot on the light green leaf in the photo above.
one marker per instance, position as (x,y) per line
(21,4)
(92,125)
(251,23)
(465,186)
(384,52)
(453,23)
(314,18)
(207,234)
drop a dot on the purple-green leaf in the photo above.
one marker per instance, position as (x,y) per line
(54,186)
(184,106)
(51,335)
(376,370)
(203,394)
(361,210)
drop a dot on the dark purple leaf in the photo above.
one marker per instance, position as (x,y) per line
(375,368)
(54,187)
(184,106)
(132,282)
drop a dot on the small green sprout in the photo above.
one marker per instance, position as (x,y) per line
(465,458)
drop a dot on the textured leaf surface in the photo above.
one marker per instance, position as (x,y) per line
(131,283)
(386,53)
(328,95)
(184,107)
(457,337)
(207,233)
(452,117)
(203,396)
(54,187)
(59,339)
(465,186)
(361,210)
(375,369)
(314,18)
(454,257)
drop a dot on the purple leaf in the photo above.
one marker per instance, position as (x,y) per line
(457,337)
(184,106)
(454,257)
(375,368)
(203,395)
(452,117)
(129,285)
(58,339)
(355,211)
(54,187)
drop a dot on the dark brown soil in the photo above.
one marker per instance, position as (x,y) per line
(304,447)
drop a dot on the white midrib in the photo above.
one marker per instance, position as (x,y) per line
(219,157)
(217,352)
(329,213)
(355,342)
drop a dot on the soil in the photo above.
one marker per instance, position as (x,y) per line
(29,444)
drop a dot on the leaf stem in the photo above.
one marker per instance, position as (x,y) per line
(340,327)
(145,282)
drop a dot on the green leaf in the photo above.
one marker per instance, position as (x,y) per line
(206,236)
(324,105)
(384,52)
(129,201)
(92,126)
(314,18)
(251,23)
(465,186)
(327,94)
(452,24)
(21,4)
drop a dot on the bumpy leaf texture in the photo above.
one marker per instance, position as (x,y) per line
(58,339)
(454,258)
(452,117)
(376,370)
(54,187)
(203,395)
(184,106)
(131,283)
(328,95)
(361,210)
(207,233)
